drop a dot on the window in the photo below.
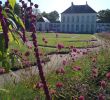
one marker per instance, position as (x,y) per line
(77,20)
(92,27)
(68,19)
(67,27)
(77,28)
(87,18)
(82,28)
(82,19)
(63,19)
(93,18)
(72,19)
(72,27)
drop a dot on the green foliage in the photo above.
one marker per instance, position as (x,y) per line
(52,16)
(104,16)
(12,3)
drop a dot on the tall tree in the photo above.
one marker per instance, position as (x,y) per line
(104,15)
(52,16)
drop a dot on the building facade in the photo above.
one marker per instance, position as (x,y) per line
(78,18)
(103,27)
(43,24)
(75,19)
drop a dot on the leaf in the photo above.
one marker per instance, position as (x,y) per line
(1,28)
(15,39)
(10,36)
(19,20)
(12,3)
(12,23)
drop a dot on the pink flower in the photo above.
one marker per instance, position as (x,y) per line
(74,50)
(95,72)
(2,70)
(103,84)
(60,46)
(64,62)
(39,85)
(76,68)
(81,98)
(108,75)
(60,71)
(59,84)
(101,97)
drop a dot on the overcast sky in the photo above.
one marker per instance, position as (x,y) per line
(61,5)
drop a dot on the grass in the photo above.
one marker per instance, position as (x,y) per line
(65,39)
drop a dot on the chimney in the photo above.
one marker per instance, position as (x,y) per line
(86,3)
(72,4)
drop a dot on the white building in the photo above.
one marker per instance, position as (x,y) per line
(103,27)
(78,19)
(43,24)
(75,19)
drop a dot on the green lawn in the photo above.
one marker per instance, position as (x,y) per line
(77,40)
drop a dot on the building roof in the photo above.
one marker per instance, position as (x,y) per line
(79,9)
(43,19)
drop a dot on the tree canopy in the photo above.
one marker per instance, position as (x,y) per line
(104,15)
(52,16)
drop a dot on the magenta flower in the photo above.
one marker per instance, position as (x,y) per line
(74,50)
(2,70)
(60,71)
(95,72)
(81,98)
(59,84)
(60,46)
(108,75)
(101,97)
(77,68)
(39,85)
(103,84)
(64,62)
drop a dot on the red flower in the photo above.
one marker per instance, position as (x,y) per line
(60,46)
(59,84)
(103,84)
(101,97)
(27,53)
(76,68)
(108,75)
(81,98)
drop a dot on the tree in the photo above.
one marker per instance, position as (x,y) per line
(52,16)
(104,15)
(46,15)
